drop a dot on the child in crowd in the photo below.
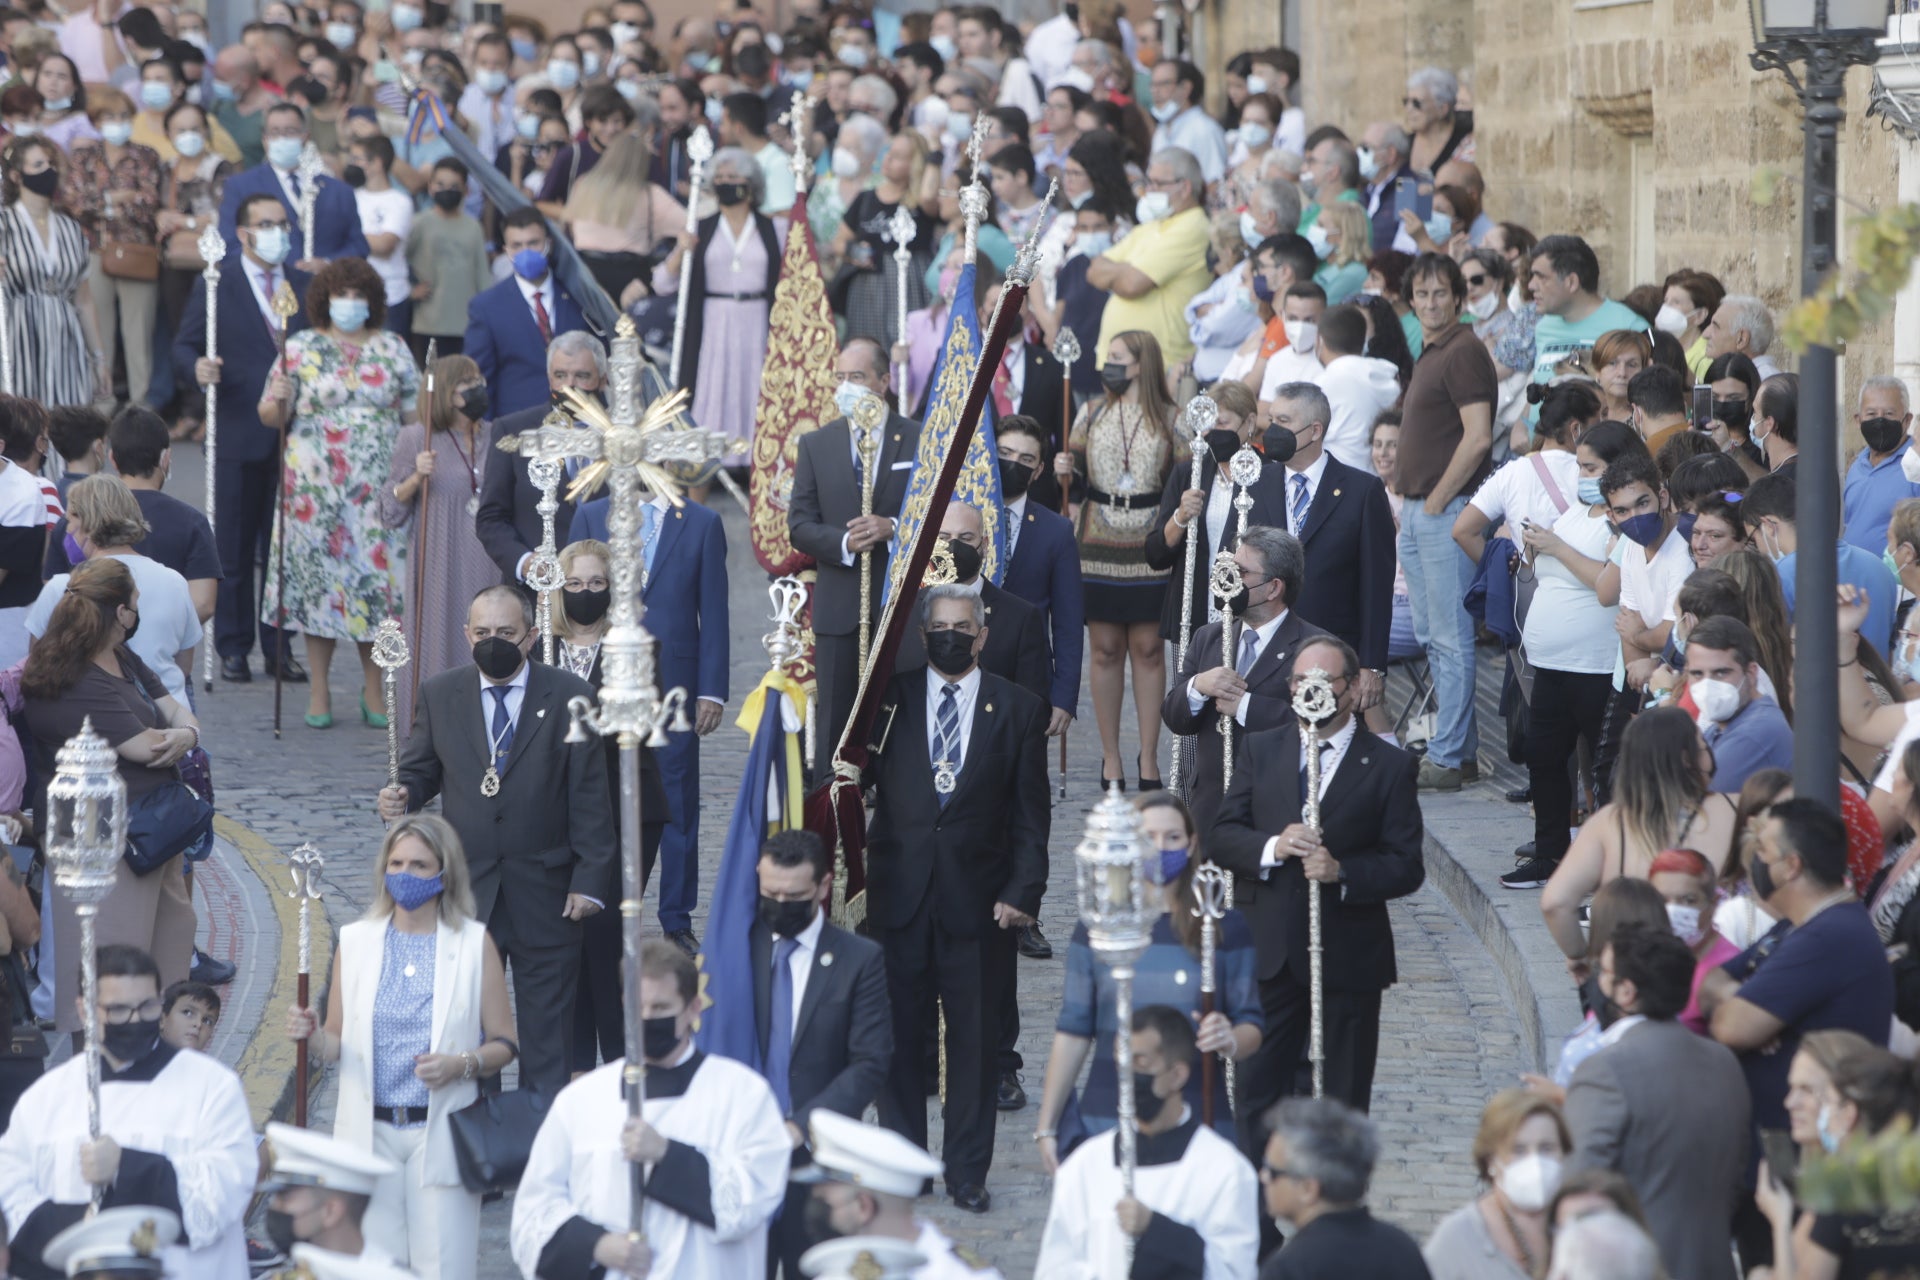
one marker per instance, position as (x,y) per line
(189,1014)
(447,253)
(79,434)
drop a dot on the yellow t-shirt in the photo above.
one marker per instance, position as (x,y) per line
(1173,254)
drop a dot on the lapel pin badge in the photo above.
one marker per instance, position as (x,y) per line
(541,714)
(989,706)
(826,958)
(1336,493)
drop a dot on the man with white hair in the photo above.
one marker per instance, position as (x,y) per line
(1273,208)
(1742,324)
(1604,1246)
(1384,148)
(1152,274)
(1877,481)
(871,95)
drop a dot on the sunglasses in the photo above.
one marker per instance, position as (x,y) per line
(1415,103)
(1475,282)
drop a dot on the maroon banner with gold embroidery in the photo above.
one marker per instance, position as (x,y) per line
(796,393)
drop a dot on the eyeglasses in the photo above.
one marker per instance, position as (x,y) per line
(1415,103)
(1269,1172)
(1474,282)
(118,1015)
(586,584)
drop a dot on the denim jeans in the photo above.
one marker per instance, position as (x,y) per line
(1438,575)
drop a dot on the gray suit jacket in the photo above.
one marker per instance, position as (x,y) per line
(826,494)
(1669,1110)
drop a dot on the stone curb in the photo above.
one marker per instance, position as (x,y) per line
(1470,841)
(266,1065)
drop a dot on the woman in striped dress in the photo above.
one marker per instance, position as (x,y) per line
(50,324)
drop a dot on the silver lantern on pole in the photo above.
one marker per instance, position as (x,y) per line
(86,832)
(1118,906)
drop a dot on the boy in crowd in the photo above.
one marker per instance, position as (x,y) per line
(447,253)
(189,1015)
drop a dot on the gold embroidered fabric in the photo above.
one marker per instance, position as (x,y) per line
(796,395)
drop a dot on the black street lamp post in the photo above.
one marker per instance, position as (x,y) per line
(1825,37)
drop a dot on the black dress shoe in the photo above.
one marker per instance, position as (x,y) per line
(1032,943)
(684,939)
(1012,1096)
(972,1197)
(290,669)
(235,669)
(1520,795)
(215,973)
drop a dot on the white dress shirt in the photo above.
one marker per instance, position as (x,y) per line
(1314,472)
(545,289)
(516,696)
(1332,751)
(848,556)
(800,965)
(1263,635)
(963,700)
(1016,515)
(257,277)
(287,189)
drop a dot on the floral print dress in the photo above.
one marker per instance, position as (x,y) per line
(349,401)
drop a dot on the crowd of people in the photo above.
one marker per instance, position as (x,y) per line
(1464,450)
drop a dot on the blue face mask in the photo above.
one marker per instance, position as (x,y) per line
(1589,490)
(74,553)
(1172,863)
(563,75)
(530,265)
(222,91)
(1440,228)
(154,95)
(525,50)
(270,245)
(284,153)
(410,892)
(59,104)
(349,315)
(1643,529)
(1684,522)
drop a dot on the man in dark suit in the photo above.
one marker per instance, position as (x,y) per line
(1315,1163)
(508,521)
(831,985)
(1016,647)
(1043,567)
(956,860)
(1367,850)
(336,217)
(1034,385)
(247,464)
(511,324)
(824,520)
(1341,517)
(532,810)
(1253,687)
(685,594)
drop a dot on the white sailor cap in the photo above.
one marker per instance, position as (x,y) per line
(845,1150)
(324,1264)
(305,1158)
(127,1241)
(862,1258)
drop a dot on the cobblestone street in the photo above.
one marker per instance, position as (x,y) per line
(1450,1035)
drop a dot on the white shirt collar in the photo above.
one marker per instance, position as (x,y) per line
(809,937)
(1266,629)
(1017,509)
(1312,472)
(519,680)
(1613,1033)
(528,288)
(969,683)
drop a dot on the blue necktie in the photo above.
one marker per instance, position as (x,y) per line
(649,525)
(1299,512)
(502,724)
(1006,536)
(1249,651)
(947,736)
(780,1022)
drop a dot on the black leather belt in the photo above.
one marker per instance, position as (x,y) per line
(400,1117)
(1126,502)
(736,297)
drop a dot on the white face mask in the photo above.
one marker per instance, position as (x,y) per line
(1716,700)
(1671,320)
(1152,207)
(845,163)
(1910,465)
(1318,239)
(1255,134)
(1484,307)
(846,396)
(1256,85)
(1302,335)
(1529,1182)
(1515,299)
(1686,923)
(1249,230)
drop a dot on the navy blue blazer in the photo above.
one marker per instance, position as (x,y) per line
(1045,572)
(504,341)
(247,350)
(1349,540)
(336,218)
(686,595)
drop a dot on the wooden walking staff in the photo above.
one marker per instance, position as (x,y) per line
(1314,703)
(1202,413)
(699,151)
(213,247)
(1210,905)
(285,306)
(1066,349)
(902,228)
(306,865)
(390,654)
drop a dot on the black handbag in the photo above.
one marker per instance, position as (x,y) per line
(166,822)
(493,1136)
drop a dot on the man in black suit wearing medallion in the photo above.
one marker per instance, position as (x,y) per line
(532,810)
(1341,517)
(1016,645)
(824,520)
(1366,853)
(956,861)
(831,985)
(1253,686)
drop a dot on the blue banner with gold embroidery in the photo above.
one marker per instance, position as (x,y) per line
(979,483)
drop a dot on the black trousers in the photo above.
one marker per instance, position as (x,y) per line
(443,345)
(599,1011)
(1621,708)
(245,494)
(545,968)
(1566,707)
(836,667)
(1279,1068)
(926,961)
(787,1233)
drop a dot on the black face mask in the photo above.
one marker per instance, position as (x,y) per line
(1014,478)
(966,560)
(1116,378)
(1223,444)
(449,198)
(133,627)
(659,1036)
(498,658)
(354,176)
(43,183)
(1145,1105)
(1733,412)
(950,652)
(730,193)
(130,1041)
(474,402)
(1280,444)
(1605,1011)
(1881,434)
(1761,876)
(788,919)
(280,1230)
(1242,600)
(818,1222)
(584,608)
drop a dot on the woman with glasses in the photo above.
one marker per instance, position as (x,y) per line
(432,490)
(1488,278)
(1440,131)
(1168,974)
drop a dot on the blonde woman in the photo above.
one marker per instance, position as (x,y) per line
(1350,233)
(618,217)
(417,1012)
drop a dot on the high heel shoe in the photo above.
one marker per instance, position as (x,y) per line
(373,718)
(322,721)
(1112,784)
(1146,783)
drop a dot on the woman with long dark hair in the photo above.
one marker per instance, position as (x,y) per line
(1118,457)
